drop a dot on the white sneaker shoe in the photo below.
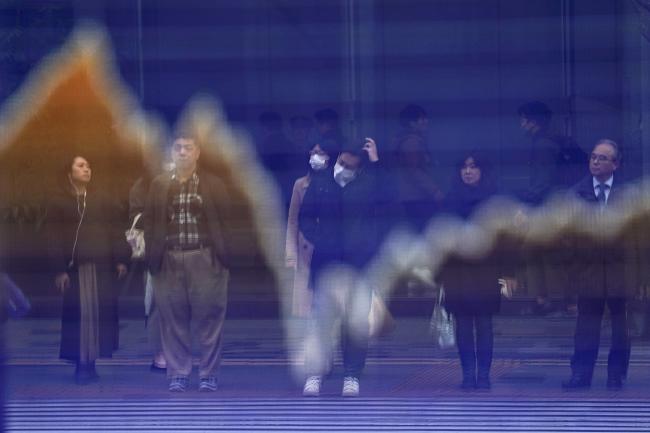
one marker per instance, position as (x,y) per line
(350,387)
(312,386)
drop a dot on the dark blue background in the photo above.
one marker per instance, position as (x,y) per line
(470,63)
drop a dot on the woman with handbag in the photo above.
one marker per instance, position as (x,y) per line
(472,292)
(135,238)
(87,253)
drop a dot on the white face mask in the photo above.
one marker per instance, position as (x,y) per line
(342,175)
(318,162)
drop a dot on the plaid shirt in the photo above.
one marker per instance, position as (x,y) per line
(185,214)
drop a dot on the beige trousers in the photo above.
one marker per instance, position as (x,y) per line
(191,288)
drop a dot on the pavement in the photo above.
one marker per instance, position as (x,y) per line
(408,384)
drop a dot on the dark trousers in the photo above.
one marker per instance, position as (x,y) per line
(475,348)
(587,336)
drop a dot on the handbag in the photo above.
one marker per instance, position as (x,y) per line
(135,238)
(442,325)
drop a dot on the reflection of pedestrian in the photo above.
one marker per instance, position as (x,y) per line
(339,217)
(605,273)
(472,292)
(419,194)
(87,250)
(186,237)
(543,268)
(298,249)
(137,198)
(277,153)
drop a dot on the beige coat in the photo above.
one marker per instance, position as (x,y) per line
(298,252)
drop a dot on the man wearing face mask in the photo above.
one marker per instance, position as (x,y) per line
(340,218)
(298,250)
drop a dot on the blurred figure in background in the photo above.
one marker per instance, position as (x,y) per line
(87,253)
(419,194)
(327,125)
(276,152)
(137,199)
(543,269)
(300,135)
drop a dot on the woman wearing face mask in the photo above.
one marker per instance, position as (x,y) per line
(340,218)
(298,250)
(472,292)
(87,253)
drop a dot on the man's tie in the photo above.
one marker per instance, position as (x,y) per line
(602,198)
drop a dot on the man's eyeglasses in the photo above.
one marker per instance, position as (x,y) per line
(600,158)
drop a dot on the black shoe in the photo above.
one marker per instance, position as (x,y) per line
(615,383)
(157,369)
(468,383)
(85,374)
(483,382)
(543,308)
(576,382)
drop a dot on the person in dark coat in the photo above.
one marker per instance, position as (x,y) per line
(339,216)
(137,200)
(420,194)
(605,272)
(87,252)
(543,268)
(472,292)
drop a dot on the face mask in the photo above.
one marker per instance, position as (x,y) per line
(342,175)
(317,162)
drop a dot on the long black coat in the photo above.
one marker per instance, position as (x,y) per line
(101,241)
(602,268)
(471,285)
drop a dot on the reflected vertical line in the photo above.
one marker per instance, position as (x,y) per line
(140,52)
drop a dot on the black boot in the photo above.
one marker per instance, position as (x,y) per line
(468,364)
(85,373)
(469,381)
(577,381)
(483,379)
(484,350)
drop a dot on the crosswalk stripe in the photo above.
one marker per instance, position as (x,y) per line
(330,414)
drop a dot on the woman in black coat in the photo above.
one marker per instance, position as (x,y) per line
(87,252)
(471,284)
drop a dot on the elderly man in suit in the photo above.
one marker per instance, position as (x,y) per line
(605,273)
